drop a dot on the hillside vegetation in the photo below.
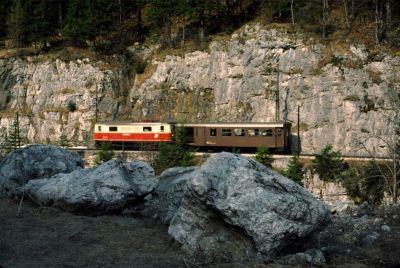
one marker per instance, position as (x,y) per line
(110,26)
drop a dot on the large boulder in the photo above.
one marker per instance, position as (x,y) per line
(166,198)
(236,208)
(108,188)
(34,162)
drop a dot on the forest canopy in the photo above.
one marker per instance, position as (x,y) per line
(112,24)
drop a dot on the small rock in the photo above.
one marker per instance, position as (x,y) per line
(369,239)
(365,209)
(386,228)
(310,257)
(378,221)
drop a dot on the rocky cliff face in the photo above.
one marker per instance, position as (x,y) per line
(42,90)
(346,92)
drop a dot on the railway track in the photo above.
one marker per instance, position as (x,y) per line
(199,154)
(276,156)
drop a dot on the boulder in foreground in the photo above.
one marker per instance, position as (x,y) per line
(107,188)
(165,199)
(235,208)
(35,162)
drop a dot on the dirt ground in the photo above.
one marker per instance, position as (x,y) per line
(47,237)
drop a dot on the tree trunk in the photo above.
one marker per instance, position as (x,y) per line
(60,18)
(324,15)
(346,14)
(291,10)
(395,176)
(120,17)
(352,10)
(183,32)
(377,20)
(279,9)
(201,31)
(388,15)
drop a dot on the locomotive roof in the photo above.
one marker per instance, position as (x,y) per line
(130,123)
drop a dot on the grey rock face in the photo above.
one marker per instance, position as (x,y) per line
(35,162)
(106,188)
(344,92)
(166,198)
(237,208)
(45,87)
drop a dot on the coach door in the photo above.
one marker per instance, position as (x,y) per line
(211,136)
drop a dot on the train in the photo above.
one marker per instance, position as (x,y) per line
(200,135)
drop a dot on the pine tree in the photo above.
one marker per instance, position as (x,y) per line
(175,153)
(37,26)
(5,10)
(263,156)
(328,163)
(63,141)
(295,170)
(14,23)
(105,154)
(13,137)
(79,23)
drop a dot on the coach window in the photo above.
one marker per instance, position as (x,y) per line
(253,132)
(226,132)
(239,132)
(146,129)
(161,128)
(113,129)
(267,132)
(99,128)
(213,132)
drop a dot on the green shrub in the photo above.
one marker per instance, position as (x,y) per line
(365,183)
(295,170)
(71,106)
(63,140)
(174,154)
(263,156)
(105,154)
(328,164)
(139,64)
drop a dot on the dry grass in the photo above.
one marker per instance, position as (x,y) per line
(17,52)
(375,76)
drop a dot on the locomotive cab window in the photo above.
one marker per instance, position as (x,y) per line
(266,132)
(226,132)
(239,132)
(112,129)
(213,132)
(99,128)
(146,129)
